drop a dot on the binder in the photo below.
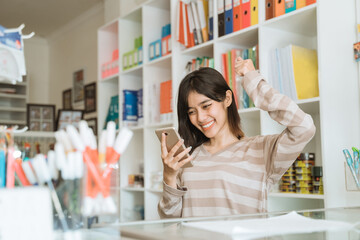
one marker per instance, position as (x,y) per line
(228,16)
(279,7)
(305,67)
(193,33)
(197,22)
(308,2)
(206,12)
(254,15)
(202,20)
(211,19)
(245,14)
(300,4)
(180,24)
(189,28)
(224,67)
(269,9)
(221,17)
(186,43)
(236,15)
(290,5)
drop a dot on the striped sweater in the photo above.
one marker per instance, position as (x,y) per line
(236,179)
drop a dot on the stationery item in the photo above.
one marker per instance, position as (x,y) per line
(20,173)
(43,175)
(356,161)
(79,145)
(29,172)
(121,143)
(290,5)
(300,4)
(279,7)
(350,162)
(197,22)
(254,12)
(236,15)
(211,19)
(10,168)
(2,168)
(180,24)
(228,16)
(221,17)
(305,68)
(193,39)
(202,20)
(308,2)
(245,14)
(269,9)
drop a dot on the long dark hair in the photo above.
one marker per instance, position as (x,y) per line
(208,82)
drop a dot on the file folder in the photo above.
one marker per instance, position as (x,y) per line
(279,7)
(211,19)
(202,20)
(197,22)
(300,4)
(245,14)
(308,2)
(221,17)
(269,9)
(254,15)
(236,15)
(290,5)
(228,16)
(193,33)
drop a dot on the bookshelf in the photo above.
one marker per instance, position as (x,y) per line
(306,27)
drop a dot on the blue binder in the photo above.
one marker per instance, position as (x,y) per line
(211,20)
(228,16)
(290,5)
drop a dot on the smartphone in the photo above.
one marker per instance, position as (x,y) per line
(172,138)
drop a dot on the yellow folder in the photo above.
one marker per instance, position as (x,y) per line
(254,12)
(305,67)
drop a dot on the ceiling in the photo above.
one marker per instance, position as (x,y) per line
(42,16)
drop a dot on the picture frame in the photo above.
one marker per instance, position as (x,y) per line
(90,97)
(92,123)
(67,99)
(78,85)
(41,117)
(69,116)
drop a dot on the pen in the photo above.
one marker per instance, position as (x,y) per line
(349,162)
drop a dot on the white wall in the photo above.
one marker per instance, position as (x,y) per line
(71,48)
(36,51)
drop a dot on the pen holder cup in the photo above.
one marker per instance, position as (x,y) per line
(70,197)
(349,180)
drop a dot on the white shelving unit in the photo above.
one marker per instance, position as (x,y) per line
(306,27)
(13,105)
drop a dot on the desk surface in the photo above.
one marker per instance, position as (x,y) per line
(174,229)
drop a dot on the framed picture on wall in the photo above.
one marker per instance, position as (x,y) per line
(41,117)
(90,97)
(78,85)
(92,122)
(67,99)
(66,117)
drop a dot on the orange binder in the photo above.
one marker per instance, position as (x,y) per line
(245,14)
(269,9)
(236,15)
(224,66)
(308,2)
(300,4)
(181,37)
(279,7)
(190,34)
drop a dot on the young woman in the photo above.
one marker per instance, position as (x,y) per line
(232,173)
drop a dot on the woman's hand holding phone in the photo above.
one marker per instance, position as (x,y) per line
(172,163)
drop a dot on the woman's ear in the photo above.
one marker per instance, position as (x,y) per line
(228,98)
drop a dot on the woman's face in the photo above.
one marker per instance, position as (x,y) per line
(208,115)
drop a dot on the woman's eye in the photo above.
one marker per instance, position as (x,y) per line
(206,106)
(191,112)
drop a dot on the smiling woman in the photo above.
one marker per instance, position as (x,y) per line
(231,173)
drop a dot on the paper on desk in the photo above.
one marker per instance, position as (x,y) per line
(290,223)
